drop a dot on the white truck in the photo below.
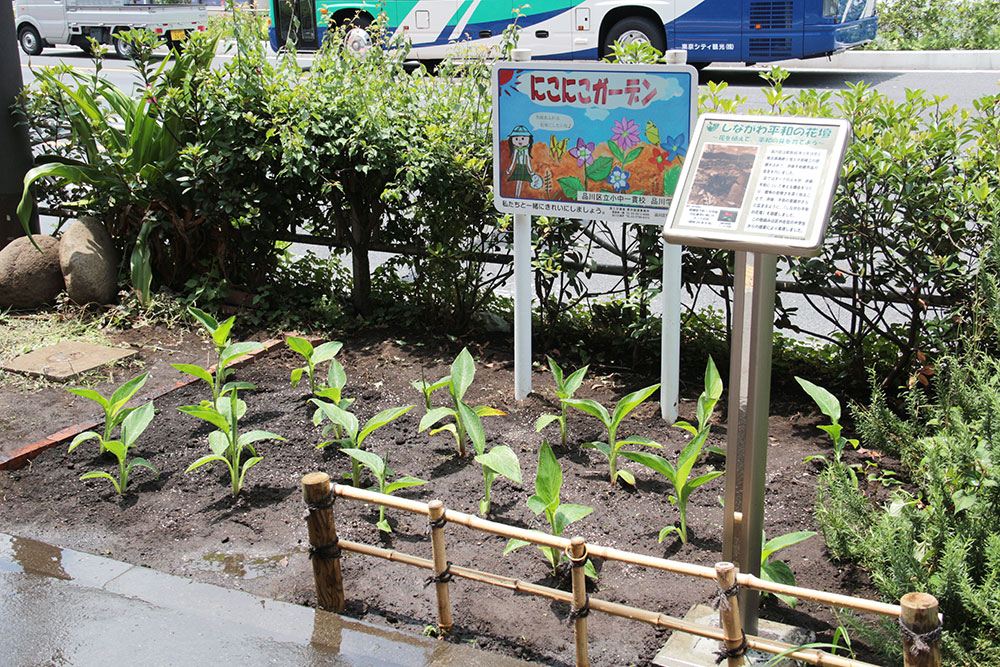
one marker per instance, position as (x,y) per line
(42,23)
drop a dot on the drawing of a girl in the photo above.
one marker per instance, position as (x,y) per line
(520,140)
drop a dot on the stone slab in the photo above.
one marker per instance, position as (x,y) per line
(684,650)
(65,360)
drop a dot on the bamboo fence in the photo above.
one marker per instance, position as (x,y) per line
(917,613)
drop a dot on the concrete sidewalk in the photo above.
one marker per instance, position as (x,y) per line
(63,607)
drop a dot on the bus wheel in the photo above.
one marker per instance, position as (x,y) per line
(358,41)
(636,29)
(30,41)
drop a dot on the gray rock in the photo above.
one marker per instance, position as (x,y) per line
(28,278)
(89,262)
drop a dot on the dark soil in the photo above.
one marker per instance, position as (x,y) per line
(189,524)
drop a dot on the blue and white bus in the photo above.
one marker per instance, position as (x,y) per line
(709,30)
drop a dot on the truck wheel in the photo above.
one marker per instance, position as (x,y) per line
(30,41)
(636,29)
(124,50)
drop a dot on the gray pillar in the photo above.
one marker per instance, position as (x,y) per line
(14,144)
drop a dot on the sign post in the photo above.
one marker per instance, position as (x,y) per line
(597,142)
(761,186)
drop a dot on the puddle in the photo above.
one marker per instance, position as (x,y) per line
(242,566)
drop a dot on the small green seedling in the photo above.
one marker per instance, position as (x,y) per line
(380,469)
(114,408)
(829,406)
(565,388)
(225,352)
(426,388)
(776,570)
(468,423)
(501,460)
(132,427)
(611,422)
(548,484)
(314,356)
(678,475)
(226,443)
(354,436)
(333,392)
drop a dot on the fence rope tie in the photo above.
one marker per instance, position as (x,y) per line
(324,503)
(722,596)
(442,578)
(327,551)
(582,612)
(726,653)
(439,522)
(920,643)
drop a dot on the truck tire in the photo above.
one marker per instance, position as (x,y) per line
(126,51)
(31,42)
(636,29)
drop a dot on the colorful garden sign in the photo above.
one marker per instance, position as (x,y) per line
(598,142)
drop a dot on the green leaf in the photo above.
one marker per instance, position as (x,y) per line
(567,514)
(381,419)
(588,569)
(827,402)
(616,151)
(670,178)
(327,351)
(83,437)
(557,372)
(631,402)
(404,482)
(666,531)
(220,336)
(300,345)
(574,381)
(206,413)
(432,417)
(256,435)
(473,427)
(218,442)
(246,466)
(207,459)
(94,474)
(463,371)
(136,422)
(237,350)
(779,573)
(601,168)
(196,371)
(206,320)
(371,461)
(638,440)
(591,407)
(297,376)
(513,544)
(338,416)
(787,540)
(335,376)
(92,395)
(544,421)
(653,462)
(487,411)
(125,392)
(703,479)
(116,447)
(383,525)
(632,155)
(502,460)
(548,480)
(627,476)
(536,504)
(142,463)
(571,187)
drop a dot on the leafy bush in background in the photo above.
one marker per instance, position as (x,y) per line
(938,24)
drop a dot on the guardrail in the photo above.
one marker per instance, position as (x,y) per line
(919,621)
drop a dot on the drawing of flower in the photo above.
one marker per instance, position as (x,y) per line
(619,179)
(584,152)
(660,159)
(625,133)
(675,147)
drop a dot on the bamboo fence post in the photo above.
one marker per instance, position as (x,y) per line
(324,547)
(581,601)
(442,568)
(921,630)
(729,613)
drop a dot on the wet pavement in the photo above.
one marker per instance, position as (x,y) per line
(64,607)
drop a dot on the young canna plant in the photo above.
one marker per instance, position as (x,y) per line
(333,392)
(380,468)
(313,356)
(611,422)
(501,460)
(132,427)
(565,388)
(829,405)
(548,484)
(354,436)
(468,423)
(678,475)
(227,443)
(777,570)
(427,388)
(226,352)
(114,408)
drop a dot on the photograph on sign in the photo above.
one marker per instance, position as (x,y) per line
(758,183)
(601,142)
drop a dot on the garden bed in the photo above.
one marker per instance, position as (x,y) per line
(189,524)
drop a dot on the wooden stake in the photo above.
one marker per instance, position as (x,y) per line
(919,618)
(729,611)
(436,516)
(581,603)
(324,547)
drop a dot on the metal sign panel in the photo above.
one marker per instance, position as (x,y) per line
(758,183)
(592,141)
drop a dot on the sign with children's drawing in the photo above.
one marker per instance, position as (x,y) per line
(599,142)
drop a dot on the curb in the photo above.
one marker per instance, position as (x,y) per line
(24,454)
(888,60)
